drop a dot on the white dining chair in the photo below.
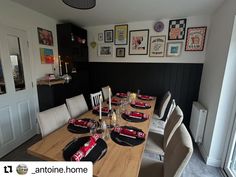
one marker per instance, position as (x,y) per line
(177,155)
(158,125)
(163,105)
(95,98)
(76,105)
(105,92)
(156,142)
(53,119)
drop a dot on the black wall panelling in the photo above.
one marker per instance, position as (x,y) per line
(183,80)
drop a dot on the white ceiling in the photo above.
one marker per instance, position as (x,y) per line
(122,11)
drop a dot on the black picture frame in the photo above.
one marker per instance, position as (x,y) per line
(120,52)
(108,36)
(45,37)
(143,34)
(177,29)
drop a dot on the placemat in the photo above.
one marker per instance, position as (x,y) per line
(140,107)
(126,141)
(131,119)
(80,130)
(97,112)
(94,155)
(121,95)
(145,97)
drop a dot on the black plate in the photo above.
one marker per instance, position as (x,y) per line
(95,154)
(121,96)
(97,113)
(80,130)
(115,104)
(145,98)
(130,141)
(140,107)
(131,119)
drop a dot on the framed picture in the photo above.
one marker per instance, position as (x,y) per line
(174,49)
(121,34)
(177,29)
(157,46)
(120,52)
(46,56)
(138,42)
(108,36)
(100,36)
(195,39)
(105,50)
(45,37)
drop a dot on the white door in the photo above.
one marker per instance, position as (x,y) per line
(230,163)
(17,110)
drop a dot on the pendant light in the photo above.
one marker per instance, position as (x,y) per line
(80,4)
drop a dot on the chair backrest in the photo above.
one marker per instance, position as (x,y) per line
(95,98)
(105,91)
(178,152)
(164,102)
(172,124)
(52,119)
(77,105)
(171,109)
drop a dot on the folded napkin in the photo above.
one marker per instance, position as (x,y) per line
(104,109)
(81,123)
(140,104)
(84,150)
(115,100)
(129,133)
(124,95)
(138,115)
(146,97)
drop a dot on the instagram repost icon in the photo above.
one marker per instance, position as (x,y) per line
(22,169)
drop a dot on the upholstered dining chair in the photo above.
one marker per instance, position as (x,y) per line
(95,98)
(163,105)
(76,105)
(105,92)
(156,142)
(158,125)
(177,155)
(53,119)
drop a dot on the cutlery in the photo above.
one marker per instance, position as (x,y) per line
(103,152)
(121,141)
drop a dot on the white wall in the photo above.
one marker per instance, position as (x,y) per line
(17,16)
(218,98)
(186,57)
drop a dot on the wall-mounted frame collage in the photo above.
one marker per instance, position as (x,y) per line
(140,43)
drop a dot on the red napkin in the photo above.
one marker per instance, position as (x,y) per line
(115,100)
(124,95)
(138,115)
(84,150)
(146,97)
(81,123)
(104,109)
(129,133)
(140,104)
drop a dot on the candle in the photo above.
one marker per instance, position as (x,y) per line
(66,67)
(60,69)
(109,98)
(100,107)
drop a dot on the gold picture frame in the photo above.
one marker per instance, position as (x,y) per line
(121,34)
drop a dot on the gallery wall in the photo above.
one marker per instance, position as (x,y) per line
(185,57)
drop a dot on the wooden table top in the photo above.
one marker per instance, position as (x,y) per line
(119,161)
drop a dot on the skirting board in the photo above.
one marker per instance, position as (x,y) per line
(208,160)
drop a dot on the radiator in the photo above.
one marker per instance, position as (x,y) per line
(197,121)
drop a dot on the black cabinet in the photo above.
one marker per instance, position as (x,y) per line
(72,43)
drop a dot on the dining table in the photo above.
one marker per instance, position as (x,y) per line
(119,161)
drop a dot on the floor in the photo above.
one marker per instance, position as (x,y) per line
(195,168)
